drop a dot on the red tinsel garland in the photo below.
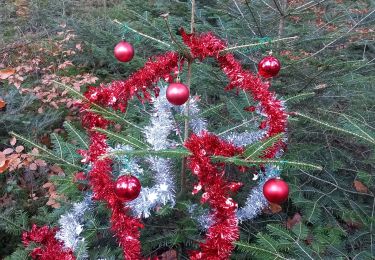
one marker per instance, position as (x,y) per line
(117,95)
(216,190)
(224,231)
(50,249)
(207,45)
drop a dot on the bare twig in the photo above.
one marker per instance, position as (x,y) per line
(186,111)
(173,38)
(260,43)
(242,15)
(142,34)
(192,21)
(282,9)
(254,18)
(339,38)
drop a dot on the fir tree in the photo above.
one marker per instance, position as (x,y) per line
(327,85)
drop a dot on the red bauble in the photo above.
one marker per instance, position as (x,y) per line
(276,190)
(177,93)
(124,51)
(269,66)
(127,187)
(80,179)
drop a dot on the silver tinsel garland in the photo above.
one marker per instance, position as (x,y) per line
(245,138)
(156,134)
(125,164)
(71,226)
(256,201)
(163,191)
(197,123)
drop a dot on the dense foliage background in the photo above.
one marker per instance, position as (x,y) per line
(328,73)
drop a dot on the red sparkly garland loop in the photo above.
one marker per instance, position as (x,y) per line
(224,231)
(216,192)
(116,95)
(50,248)
(207,45)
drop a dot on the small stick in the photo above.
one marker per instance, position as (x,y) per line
(142,34)
(260,43)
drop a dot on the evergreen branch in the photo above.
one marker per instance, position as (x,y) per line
(72,90)
(359,128)
(208,111)
(81,250)
(16,224)
(237,110)
(248,248)
(118,137)
(333,127)
(99,109)
(299,97)
(11,222)
(57,141)
(254,150)
(337,39)
(46,151)
(260,43)
(176,153)
(235,127)
(107,113)
(353,118)
(19,254)
(72,129)
(283,233)
(140,33)
(248,162)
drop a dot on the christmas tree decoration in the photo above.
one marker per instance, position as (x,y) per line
(80,178)
(47,246)
(224,229)
(269,67)
(124,51)
(276,190)
(71,227)
(215,189)
(177,93)
(127,187)
(256,202)
(156,133)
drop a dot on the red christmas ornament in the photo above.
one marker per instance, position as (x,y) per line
(177,93)
(276,190)
(269,66)
(79,178)
(127,187)
(124,51)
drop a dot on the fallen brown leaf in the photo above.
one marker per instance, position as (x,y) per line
(3,105)
(293,221)
(360,187)
(8,151)
(169,255)
(4,167)
(272,209)
(6,73)
(13,141)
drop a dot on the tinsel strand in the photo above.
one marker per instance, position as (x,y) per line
(156,133)
(71,226)
(224,229)
(117,95)
(48,247)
